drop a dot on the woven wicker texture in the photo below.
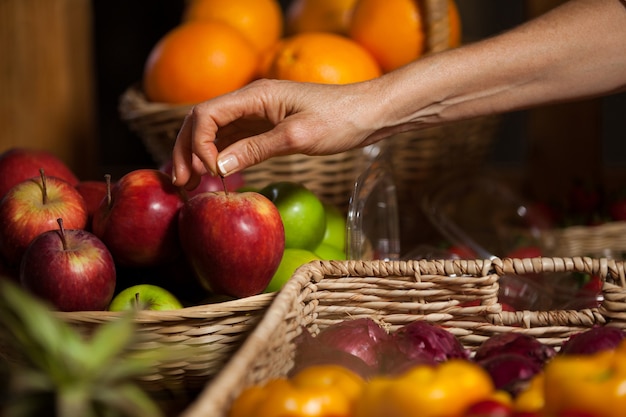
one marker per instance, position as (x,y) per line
(419,156)
(398,292)
(604,240)
(206,337)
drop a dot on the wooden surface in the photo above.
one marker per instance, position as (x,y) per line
(46,79)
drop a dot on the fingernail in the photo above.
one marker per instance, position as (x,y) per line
(227,164)
(173,176)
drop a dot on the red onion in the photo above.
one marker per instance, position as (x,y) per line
(514,343)
(359,337)
(593,340)
(313,353)
(510,372)
(421,341)
(352,343)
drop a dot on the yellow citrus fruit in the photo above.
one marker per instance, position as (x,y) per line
(261,21)
(197,61)
(392,30)
(319,16)
(321,57)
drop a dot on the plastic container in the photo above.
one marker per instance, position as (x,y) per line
(372,221)
(492,220)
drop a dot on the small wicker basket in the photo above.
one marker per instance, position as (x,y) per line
(213,332)
(398,292)
(421,155)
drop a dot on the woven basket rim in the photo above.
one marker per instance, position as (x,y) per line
(202,311)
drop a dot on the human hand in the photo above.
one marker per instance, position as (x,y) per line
(269,118)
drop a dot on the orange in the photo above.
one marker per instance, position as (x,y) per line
(391,30)
(261,21)
(197,61)
(267,57)
(394,30)
(319,16)
(454,20)
(322,57)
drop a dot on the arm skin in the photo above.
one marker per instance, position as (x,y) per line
(575,51)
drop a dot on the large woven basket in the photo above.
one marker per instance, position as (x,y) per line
(420,155)
(208,335)
(398,292)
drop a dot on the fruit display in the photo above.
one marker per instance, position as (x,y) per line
(221,45)
(140,242)
(509,374)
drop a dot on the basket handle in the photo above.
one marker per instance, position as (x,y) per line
(437,25)
(603,267)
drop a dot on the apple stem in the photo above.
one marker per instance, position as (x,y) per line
(137,304)
(107,179)
(44,186)
(224,184)
(62,229)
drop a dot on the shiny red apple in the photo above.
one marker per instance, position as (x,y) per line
(233,241)
(209,183)
(19,164)
(70,268)
(33,207)
(138,220)
(93,192)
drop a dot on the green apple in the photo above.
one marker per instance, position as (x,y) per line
(145,297)
(335,234)
(292,259)
(330,252)
(301,211)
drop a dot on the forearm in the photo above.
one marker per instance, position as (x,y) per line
(576,51)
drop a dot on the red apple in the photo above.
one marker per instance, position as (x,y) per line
(93,192)
(70,268)
(234,241)
(138,221)
(19,164)
(209,183)
(33,207)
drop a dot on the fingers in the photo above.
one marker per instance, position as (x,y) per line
(267,118)
(194,153)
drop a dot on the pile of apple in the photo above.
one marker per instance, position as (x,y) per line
(141,242)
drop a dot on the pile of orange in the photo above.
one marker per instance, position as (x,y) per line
(221,45)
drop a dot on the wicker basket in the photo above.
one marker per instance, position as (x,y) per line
(213,332)
(396,293)
(421,155)
(604,240)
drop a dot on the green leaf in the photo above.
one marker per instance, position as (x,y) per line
(74,401)
(109,341)
(33,328)
(130,400)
